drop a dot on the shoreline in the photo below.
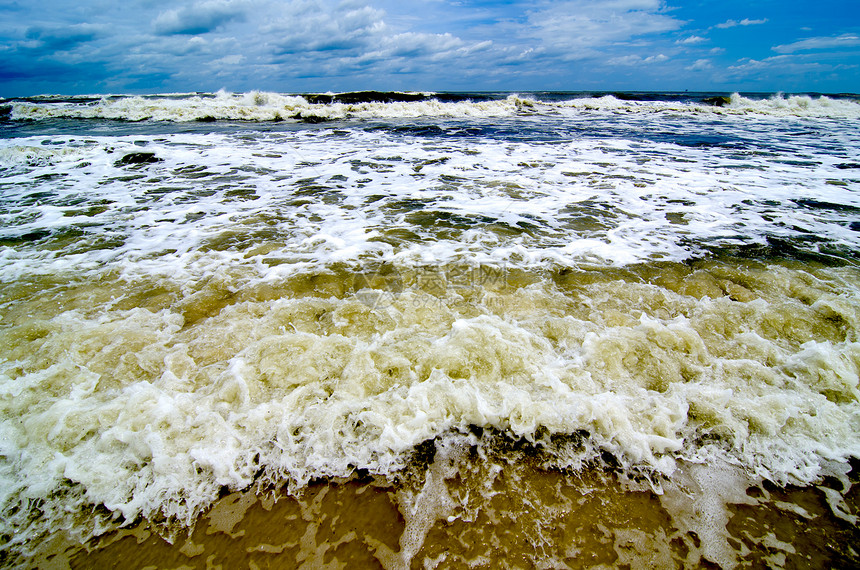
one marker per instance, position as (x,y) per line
(588,518)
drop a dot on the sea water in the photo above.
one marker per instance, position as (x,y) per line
(430,330)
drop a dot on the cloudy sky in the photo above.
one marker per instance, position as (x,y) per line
(134,46)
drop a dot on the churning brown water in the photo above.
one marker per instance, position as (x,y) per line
(637,416)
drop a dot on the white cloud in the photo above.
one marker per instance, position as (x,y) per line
(65,38)
(692,40)
(744,22)
(832,42)
(516,54)
(785,68)
(413,44)
(625,60)
(313,38)
(312,26)
(637,60)
(576,29)
(200,17)
(700,65)
(480,46)
(235,59)
(747,64)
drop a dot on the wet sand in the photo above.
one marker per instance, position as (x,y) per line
(523,517)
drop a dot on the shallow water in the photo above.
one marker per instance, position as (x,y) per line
(498,507)
(512,332)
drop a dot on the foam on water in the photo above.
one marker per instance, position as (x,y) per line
(797,106)
(777,105)
(151,411)
(674,299)
(307,199)
(254,106)
(261,106)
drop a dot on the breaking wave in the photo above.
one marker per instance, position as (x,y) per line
(263,106)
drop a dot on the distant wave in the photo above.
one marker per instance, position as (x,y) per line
(263,106)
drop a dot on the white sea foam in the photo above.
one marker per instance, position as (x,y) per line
(798,106)
(261,106)
(147,411)
(778,105)
(313,198)
(254,106)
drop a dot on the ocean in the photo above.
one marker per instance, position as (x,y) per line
(430,330)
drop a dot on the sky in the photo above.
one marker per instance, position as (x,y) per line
(154,46)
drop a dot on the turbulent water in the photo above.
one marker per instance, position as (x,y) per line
(430,330)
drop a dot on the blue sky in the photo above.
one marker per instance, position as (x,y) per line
(136,46)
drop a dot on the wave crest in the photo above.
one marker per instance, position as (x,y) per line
(267,106)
